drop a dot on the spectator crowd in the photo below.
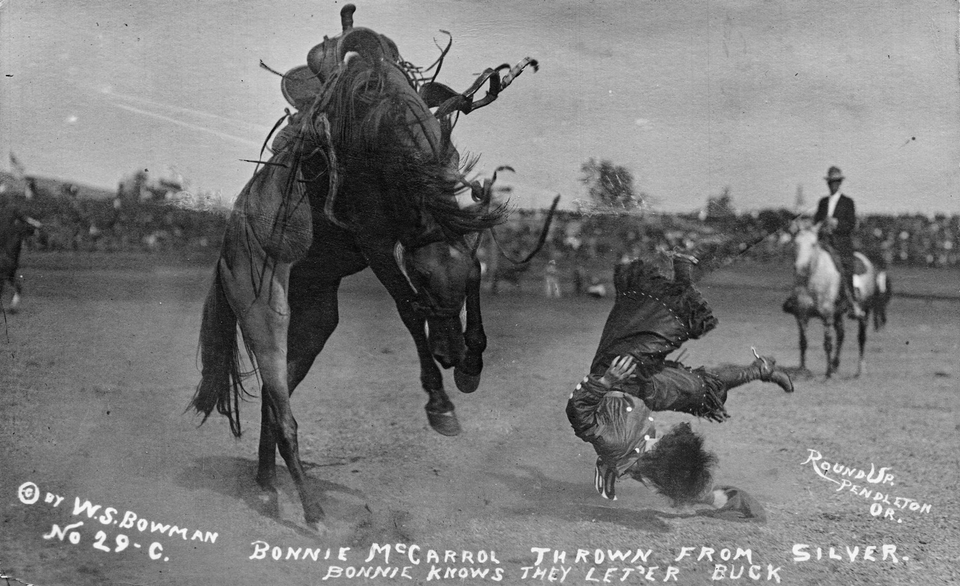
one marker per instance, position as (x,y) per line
(575,240)
(580,244)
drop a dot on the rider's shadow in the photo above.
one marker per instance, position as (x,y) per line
(235,478)
(577,502)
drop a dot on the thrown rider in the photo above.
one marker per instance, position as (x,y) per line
(630,378)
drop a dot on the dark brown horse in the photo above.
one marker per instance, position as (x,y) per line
(365,176)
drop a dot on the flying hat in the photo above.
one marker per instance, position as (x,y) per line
(834,174)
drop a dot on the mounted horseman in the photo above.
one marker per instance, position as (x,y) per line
(364,175)
(15,225)
(831,279)
(837,217)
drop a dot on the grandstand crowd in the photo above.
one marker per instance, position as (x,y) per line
(126,224)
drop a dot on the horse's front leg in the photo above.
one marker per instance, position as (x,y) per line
(802,327)
(828,335)
(467,373)
(439,407)
(838,326)
(17,292)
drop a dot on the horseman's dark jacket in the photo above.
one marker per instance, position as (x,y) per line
(842,236)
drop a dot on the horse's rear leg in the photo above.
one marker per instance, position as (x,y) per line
(265,323)
(313,317)
(267,462)
(267,332)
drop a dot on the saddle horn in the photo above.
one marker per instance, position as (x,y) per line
(346,16)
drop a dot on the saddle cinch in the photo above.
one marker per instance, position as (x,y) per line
(301,85)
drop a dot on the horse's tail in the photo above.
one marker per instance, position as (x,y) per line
(881,300)
(221,379)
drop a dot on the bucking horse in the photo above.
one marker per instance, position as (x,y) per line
(363,175)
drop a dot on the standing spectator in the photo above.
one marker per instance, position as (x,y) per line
(551,280)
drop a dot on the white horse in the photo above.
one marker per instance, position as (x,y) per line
(818,290)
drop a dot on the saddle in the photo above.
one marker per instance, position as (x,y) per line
(303,83)
(858,267)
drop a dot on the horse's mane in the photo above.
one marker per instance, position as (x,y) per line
(376,116)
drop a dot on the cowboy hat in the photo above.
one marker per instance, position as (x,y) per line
(834,174)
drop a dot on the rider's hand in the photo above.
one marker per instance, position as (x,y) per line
(620,370)
(829,224)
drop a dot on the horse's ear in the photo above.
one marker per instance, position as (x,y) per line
(799,224)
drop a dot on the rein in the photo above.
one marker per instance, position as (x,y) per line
(540,241)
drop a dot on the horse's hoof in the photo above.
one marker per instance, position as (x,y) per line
(333,530)
(445,423)
(269,503)
(467,383)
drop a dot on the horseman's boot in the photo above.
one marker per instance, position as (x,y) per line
(856,310)
(763,368)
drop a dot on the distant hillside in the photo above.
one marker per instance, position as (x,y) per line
(54,187)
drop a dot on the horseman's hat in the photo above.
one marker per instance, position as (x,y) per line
(834,174)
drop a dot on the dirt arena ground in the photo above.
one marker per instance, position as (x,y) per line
(98,367)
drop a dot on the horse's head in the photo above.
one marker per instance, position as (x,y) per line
(805,241)
(442,274)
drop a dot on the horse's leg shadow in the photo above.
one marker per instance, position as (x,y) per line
(233,477)
(798,372)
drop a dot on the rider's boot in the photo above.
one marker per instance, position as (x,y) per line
(764,368)
(853,298)
(856,309)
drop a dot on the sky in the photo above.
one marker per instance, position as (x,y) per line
(690,96)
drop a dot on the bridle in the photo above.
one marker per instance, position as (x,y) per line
(425,305)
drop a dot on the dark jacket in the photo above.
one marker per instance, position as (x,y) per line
(845,213)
